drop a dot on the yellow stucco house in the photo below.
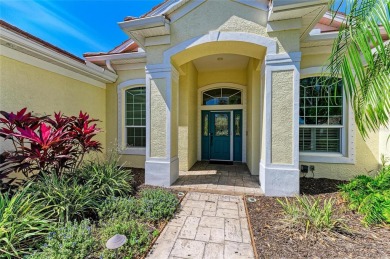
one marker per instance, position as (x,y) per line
(224,80)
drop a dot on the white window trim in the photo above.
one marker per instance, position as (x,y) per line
(121,89)
(347,155)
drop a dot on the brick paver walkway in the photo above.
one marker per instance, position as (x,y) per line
(206,226)
(221,179)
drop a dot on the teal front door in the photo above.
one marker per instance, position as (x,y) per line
(220,136)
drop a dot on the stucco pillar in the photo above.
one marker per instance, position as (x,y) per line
(279,164)
(162,163)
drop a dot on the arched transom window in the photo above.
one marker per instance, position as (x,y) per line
(222,96)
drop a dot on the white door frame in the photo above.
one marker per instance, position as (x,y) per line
(223,108)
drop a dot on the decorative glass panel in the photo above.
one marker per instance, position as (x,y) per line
(135,117)
(221,125)
(237,124)
(206,125)
(222,96)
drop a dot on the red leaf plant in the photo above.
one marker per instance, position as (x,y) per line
(44,143)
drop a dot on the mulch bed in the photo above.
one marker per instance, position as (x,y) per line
(138,176)
(274,239)
(139,181)
(312,186)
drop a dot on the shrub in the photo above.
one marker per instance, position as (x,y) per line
(67,199)
(307,213)
(73,240)
(357,190)
(370,196)
(375,207)
(119,208)
(153,205)
(107,178)
(23,223)
(45,144)
(138,238)
(157,204)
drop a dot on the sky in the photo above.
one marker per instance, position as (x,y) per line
(77,26)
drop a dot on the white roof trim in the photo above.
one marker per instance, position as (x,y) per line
(143,23)
(32,48)
(337,18)
(122,47)
(168,7)
(287,5)
(133,55)
(45,65)
(313,36)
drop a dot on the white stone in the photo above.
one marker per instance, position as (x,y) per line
(233,230)
(238,251)
(214,251)
(212,222)
(227,205)
(189,229)
(217,235)
(225,213)
(203,234)
(188,249)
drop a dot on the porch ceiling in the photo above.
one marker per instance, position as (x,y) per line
(220,62)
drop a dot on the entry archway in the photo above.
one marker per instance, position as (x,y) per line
(245,75)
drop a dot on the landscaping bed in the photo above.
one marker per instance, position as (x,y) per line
(75,215)
(350,239)
(67,206)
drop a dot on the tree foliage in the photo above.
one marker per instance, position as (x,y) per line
(361,55)
(42,143)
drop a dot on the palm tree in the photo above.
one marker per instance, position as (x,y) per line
(361,55)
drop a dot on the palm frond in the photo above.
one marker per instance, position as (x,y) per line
(362,57)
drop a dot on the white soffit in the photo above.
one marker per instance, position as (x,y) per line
(258,4)
(140,29)
(309,11)
(221,62)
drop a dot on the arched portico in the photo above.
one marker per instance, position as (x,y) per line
(172,88)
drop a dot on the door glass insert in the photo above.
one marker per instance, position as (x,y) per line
(237,125)
(221,125)
(206,125)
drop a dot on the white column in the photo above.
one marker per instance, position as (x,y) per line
(162,162)
(279,164)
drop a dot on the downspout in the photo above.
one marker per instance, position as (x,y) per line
(109,67)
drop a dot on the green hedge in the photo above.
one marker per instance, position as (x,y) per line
(370,196)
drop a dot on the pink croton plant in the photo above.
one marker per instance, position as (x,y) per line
(42,143)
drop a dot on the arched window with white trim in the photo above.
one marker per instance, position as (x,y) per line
(135,117)
(132,117)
